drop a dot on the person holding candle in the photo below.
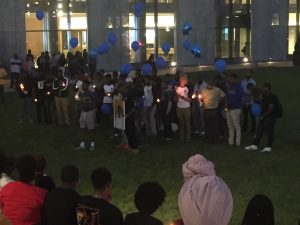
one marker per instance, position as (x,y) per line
(198,121)
(184,98)
(24,87)
(211,96)
(15,70)
(108,90)
(87,120)
(61,89)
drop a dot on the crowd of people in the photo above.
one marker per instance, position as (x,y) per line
(208,106)
(30,197)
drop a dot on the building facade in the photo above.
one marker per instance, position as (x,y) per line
(230,29)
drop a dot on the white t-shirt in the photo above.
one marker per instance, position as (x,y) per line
(108,93)
(15,66)
(181,103)
(148,96)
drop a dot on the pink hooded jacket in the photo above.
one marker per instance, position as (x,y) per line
(204,198)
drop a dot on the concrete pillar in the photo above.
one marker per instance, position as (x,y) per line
(12,29)
(269,40)
(106,16)
(201,14)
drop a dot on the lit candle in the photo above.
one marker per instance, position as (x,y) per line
(22,87)
(94,86)
(76,97)
(108,94)
(199,96)
(158,100)
(48,93)
(35,100)
(63,84)
(193,96)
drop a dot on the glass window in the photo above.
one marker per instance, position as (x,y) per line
(63,19)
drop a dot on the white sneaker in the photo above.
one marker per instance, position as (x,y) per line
(251,148)
(81,146)
(266,149)
(92,146)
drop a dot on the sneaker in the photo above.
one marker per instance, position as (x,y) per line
(92,146)
(251,147)
(81,146)
(266,149)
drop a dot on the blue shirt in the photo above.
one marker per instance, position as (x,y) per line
(234,96)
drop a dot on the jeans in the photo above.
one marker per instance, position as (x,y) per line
(13,79)
(234,126)
(130,131)
(184,117)
(198,121)
(26,106)
(247,111)
(265,126)
(166,119)
(150,120)
(211,120)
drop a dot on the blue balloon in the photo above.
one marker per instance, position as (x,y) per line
(135,46)
(137,14)
(220,65)
(99,50)
(126,68)
(112,38)
(40,14)
(256,109)
(74,42)
(166,47)
(186,28)
(160,63)
(186,45)
(139,6)
(147,69)
(105,47)
(93,53)
(106,109)
(196,50)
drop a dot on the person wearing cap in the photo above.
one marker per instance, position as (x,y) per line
(87,120)
(246,104)
(61,88)
(234,104)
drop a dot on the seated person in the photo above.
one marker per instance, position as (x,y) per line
(259,211)
(204,197)
(21,201)
(41,179)
(148,198)
(97,209)
(61,203)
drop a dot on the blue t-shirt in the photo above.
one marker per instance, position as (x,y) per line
(234,96)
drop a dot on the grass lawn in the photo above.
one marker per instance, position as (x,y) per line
(247,173)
